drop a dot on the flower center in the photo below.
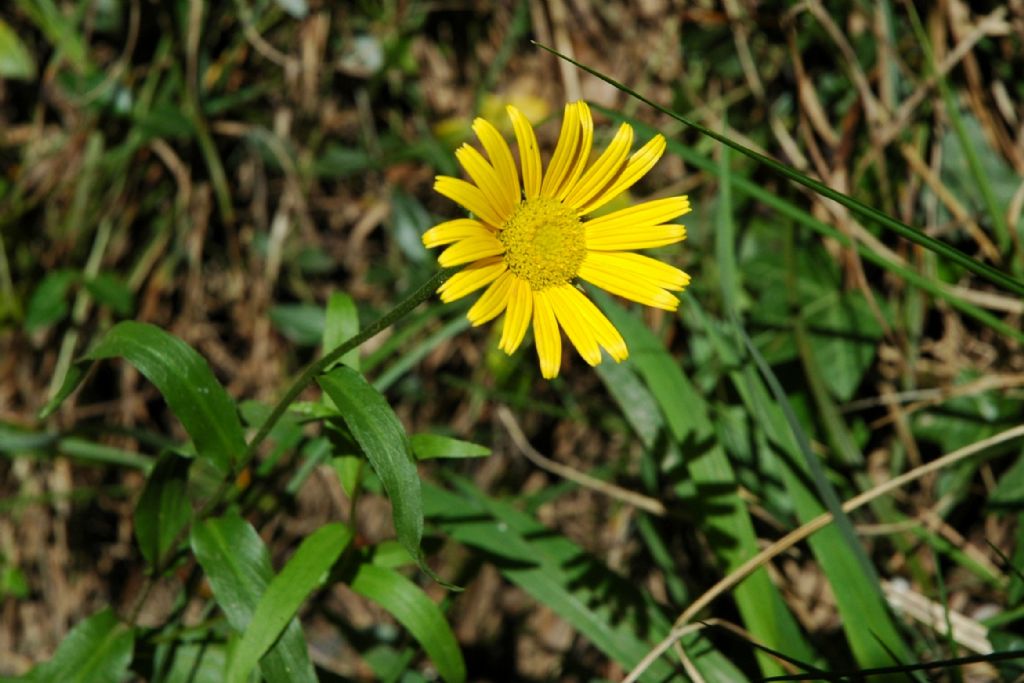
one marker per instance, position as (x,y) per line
(544,242)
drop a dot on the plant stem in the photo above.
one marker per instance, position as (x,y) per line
(421,294)
(424,292)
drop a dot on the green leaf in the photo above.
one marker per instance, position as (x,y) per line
(62,33)
(612,613)
(49,302)
(429,446)
(845,335)
(1010,488)
(342,323)
(237,565)
(198,662)
(304,572)
(378,432)
(301,323)
(725,517)
(409,220)
(15,60)
(340,162)
(97,650)
(416,612)
(182,376)
(111,291)
(163,509)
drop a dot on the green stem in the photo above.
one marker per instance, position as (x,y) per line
(424,292)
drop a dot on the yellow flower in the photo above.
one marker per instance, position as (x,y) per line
(529,242)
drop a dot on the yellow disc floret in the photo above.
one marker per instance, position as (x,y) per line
(544,242)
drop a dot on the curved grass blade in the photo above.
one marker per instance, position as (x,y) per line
(984,270)
(407,603)
(612,613)
(237,565)
(303,573)
(688,420)
(792,211)
(184,379)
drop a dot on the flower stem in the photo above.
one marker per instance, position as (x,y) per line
(424,292)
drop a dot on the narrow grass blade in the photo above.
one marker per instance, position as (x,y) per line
(981,179)
(407,603)
(795,213)
(611,612)
(860,208)
(183,377)
(866,620)
(285,593)
(727,521)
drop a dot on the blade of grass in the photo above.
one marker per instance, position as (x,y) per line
(794,212)
(953,110)
(850,572)
(860,208)
(615,616)
(726,519)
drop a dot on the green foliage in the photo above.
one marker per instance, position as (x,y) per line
(237,565)
(415,611)
(15,60)
(823,348)
(285,593)
(182,376)
(383,442)
(97,650)
(163,511)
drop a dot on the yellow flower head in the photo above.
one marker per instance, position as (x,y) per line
(530,242)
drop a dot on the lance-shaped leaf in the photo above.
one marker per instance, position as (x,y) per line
(182,376)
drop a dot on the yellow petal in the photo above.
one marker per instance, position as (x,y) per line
(517,319)
(565,152)
(653,212)
(453,231)
(493,302)
(485,177)
(471,278)
(612,272)
(642,237)
(471,197)
(604,170)
(529,152)
(640,163)
(501,158)
(575,325)
(582,153)
(472,249)
(602,328)
(547,338)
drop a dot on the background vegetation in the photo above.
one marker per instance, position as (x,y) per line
(248,181)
